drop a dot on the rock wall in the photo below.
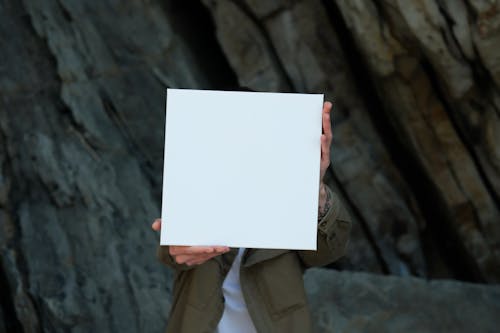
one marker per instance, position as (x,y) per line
(362,302)
(418,101)
(415,86)
(81,137)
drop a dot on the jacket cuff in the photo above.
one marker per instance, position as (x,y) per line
(326,224)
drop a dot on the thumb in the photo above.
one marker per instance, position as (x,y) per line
(156,226)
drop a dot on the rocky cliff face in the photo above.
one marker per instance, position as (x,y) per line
(416,116)
(415,86)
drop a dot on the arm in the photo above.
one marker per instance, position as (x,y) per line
(334,226)
(333,221)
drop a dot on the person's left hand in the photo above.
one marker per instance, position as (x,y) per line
(191,255)
(326,140)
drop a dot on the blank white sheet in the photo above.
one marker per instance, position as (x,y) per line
(241,169)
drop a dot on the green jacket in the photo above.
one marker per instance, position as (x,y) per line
(271,282)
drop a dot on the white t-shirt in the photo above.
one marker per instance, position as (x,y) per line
(235,318)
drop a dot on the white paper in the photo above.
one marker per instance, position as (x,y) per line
(241,169)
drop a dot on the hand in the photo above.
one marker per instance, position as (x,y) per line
(326,140)
(191,255)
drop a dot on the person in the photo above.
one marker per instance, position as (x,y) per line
(223,290)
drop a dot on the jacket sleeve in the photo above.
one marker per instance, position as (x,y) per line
(165,257)
(333,236)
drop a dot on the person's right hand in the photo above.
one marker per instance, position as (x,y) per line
(191,255)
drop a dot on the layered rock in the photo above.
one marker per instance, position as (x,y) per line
(298,40)
(81,146)
(415,155)
(426,82)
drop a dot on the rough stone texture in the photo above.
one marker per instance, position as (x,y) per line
(419,90)
(361,302)
(82,106)
(415,86)
(311,59)
(484,33)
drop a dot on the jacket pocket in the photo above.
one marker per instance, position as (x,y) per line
(281,285)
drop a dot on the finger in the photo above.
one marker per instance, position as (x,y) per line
(325,150)
(221,249)
(203,256)
(194,258)
(176,250)
(186,258)
(182,250)
(156,226)
(197,262)
(183,258)
(327,125)
(200,259)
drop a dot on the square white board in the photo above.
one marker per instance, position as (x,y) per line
(241,169)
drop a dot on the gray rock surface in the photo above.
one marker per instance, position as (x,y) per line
(81,149)
(360,302)
(415,86)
